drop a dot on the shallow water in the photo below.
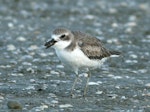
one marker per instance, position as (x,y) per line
(34,76)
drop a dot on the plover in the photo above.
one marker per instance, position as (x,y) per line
(78,50)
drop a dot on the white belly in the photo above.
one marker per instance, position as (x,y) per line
(77,59)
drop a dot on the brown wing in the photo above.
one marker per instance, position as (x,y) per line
(91,46)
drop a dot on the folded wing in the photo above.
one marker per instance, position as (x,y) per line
(92,47)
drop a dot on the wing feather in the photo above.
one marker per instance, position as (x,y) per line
(91,46)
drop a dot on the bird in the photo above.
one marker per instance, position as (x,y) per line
(78,50)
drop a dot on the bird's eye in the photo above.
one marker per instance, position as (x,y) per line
(62,36)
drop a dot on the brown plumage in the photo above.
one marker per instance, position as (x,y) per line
(92,46)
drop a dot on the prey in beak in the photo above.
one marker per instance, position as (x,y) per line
(50,43)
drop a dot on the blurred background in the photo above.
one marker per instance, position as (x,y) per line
(34,77)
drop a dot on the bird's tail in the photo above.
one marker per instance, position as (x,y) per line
(114,52)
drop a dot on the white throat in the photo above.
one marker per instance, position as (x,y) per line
(60,44)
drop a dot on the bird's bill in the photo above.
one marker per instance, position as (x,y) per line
(50,43)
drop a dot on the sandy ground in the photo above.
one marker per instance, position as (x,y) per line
(34,80)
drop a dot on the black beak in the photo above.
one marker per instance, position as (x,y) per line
(50,43)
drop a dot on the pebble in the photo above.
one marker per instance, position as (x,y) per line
(30,87)
(10,25)
(31,70)
(93,83)
(124,4)
(1,99)
(27,63)
(142,70)
(45,86)
(83,75)
(21,39)
(117,77)
(128,30)
(114,25)
(147,94)
(52,95)
(113,96)
(33,47)
(65,106)
(54,101)
(16,74)
(40,108)
(133,56)
(59,66)
(123,98)
(112,10)
(99,92)
(14,105)
(89,17)
(131,61)
(32,80)
(43,54)
(130,24)
(11,47)
(132,18)
(147,85)
(54,72)
(113,40)
(144,6)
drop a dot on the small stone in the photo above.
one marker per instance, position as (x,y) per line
(133,56)
(32,80)
(83,75)
(31,70)
(93,83)
(43,54)
(123,98)
(65,106)
(144,6)
(117,77)
(54,72)
(33,47)
(99,92)
(132,18)
(1,98)
(147,85)
(16,74)
(14,105)
(114,25)
(124,4)
(128,30)
(10,25)
(59,66)
(112,11)
(147,94)
(40,108)
(27,63)
(130,24)
(21,39)
(11,47)
(30,87)
(90,17)
(54,101)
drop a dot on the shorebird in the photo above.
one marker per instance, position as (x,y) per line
(79,50)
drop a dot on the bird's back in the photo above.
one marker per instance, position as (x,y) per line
(92,47)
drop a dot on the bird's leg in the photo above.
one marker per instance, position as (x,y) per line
(74,83)
(87,81)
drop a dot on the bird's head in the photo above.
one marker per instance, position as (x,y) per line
(60,39)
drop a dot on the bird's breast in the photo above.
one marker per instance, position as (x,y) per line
(76,58)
